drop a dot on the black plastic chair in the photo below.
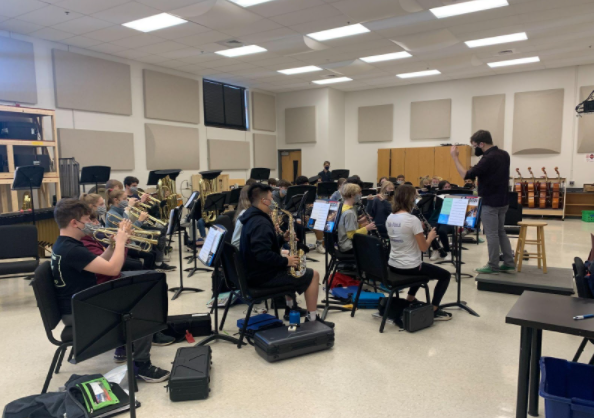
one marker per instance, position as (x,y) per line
(372,264)
(583,290)
(18,241)
(235,272)
(47,301)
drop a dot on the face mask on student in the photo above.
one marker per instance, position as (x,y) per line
(272,205)
(283,192)
(123,204)
(327,167)
(101,210)
(134,190)
(87,229)
(358,198)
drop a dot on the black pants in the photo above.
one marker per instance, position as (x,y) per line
(434,273)
(132,264)
(442,232)
(148,258)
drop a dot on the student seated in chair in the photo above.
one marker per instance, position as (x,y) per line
(407,242)
(380,207)
(74,268)
(280,193)
(348,225)
(260,250)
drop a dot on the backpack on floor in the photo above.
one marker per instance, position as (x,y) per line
(342,280)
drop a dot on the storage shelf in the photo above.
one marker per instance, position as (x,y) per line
(27,110)
(580,204)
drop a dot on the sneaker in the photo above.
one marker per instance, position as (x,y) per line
(160,339)
(318,319)
(441,315)
(377,315)
(199,242)
(302,312)
(434,256)
(311,246)
(119,355)
(448,257)
(165,268)
(507,269)
(486,270)
(320,248)
(152,374)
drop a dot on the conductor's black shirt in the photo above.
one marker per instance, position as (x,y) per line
(493,173)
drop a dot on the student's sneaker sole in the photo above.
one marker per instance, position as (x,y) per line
(154,378)
(507,270)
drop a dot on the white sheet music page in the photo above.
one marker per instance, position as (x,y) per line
(458,212)
(320,214)
(210,246)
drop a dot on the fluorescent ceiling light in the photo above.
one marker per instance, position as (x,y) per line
(514,37)
(248,3)
(333,80)
(387,57)
(419,74)
(156,22)
(244,50)
(467,7)
(514,62)
(300,70)
(339,32)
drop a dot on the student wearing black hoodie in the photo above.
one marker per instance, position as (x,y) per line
(260,250)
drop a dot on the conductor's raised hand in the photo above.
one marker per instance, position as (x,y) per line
(454,151)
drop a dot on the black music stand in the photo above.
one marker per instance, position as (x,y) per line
(94,174)
(28,177)
(260,174)
(233,197)
(325,190)
(368,192)
(338,174)
(216,263)
(116,313)
(195,214)
(156,175)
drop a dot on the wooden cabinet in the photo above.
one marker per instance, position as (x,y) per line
(383,163)
(418,163)
(576,202)
(397,158)
(445,166)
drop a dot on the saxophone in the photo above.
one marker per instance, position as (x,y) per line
(294,251)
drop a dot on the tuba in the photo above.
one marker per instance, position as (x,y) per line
(294,251)
(208,185)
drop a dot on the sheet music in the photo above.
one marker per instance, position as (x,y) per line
(210,246)
(457,211)
(320,214)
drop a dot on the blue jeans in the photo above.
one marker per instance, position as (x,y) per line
(201,227)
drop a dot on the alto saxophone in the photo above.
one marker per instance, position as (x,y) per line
(294,251)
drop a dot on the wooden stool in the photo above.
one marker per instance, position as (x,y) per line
(540,253)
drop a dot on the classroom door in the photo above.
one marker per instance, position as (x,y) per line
(290,162)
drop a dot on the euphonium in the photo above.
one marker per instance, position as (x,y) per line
(173,200)
(135,242)
(150,220)
(294,251)
(208,187)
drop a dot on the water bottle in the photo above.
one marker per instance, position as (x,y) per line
(294,318)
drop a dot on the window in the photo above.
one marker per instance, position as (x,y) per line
(225,106)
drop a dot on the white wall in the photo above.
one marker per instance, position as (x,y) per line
(133,124)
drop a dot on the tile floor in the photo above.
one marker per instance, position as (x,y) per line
(464,368)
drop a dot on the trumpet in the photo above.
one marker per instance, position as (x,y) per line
(135,242)
(151,199)
(150,220)
(115,219)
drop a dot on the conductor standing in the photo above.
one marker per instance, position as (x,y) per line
(493,173)
(326,174)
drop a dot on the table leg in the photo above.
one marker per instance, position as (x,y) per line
(524,372)
(535,371)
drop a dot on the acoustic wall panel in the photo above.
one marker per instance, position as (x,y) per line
(488,113)
(376,123)
(263,112)
(300,125)
(171,146)
(538,122)
(115,149)
(92,84)
(228,155)
(431,119)
(586,125)
(169,97)
(265,154)
(17,71)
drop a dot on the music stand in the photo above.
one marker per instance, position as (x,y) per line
(28,177)
(233,197)
(156,175)
(327,189)
(195,214)
(458,192)
(260,174)
(215,261)
(116,313)
(337,174)
(94,174)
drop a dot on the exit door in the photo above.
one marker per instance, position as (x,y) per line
(290,163)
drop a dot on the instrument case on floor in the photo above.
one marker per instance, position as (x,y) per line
(197,325)
(190,374)
(417,316)
(281,343)
(259,322)
(367,300)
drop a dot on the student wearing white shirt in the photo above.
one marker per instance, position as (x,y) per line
(407,242)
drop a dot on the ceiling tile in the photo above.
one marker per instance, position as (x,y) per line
(3,18)
(181,53)
(180,31)
(113,33)
(307,15)
(19,26)
(162,47)
(366,10)
(49,16)
(321,24)
(126,13)
(266,36)
(131,54)
(82,25)
(138,41)
(151,59)
(217,14)
(51,34)
(279,7)
(203,57)
(107,48)
(81,41)
(13,8)
(255,27)
(236,67)
(212,47)
(167,5)
(203,38)
(220,63)
(88,7)
(173,64)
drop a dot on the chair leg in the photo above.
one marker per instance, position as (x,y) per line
(266,305)
(275,308)
(385,317)
(245,324)
(61,359)
(356,300)
(71,355)
(580,350)
(227,306)
(427,295)
(50,373)
(328,285)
